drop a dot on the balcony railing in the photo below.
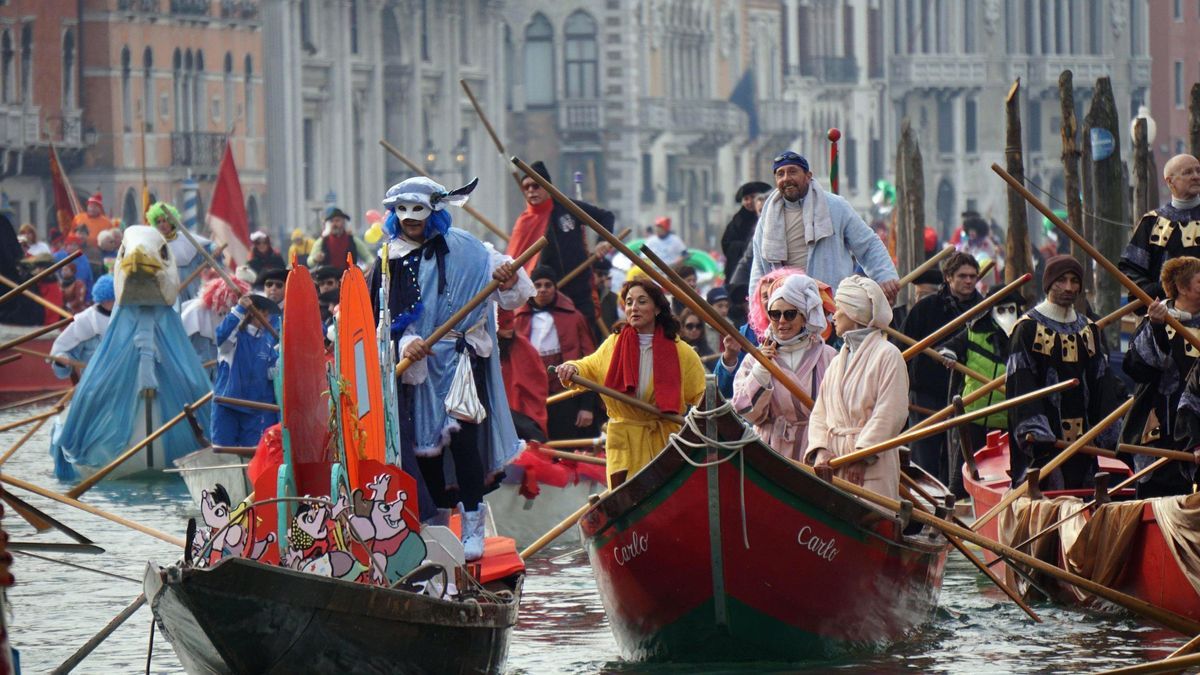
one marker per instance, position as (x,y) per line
(198,149)
(72,127)
(138,5)
(836,69)
(585,115)
(194,7)
(239,9)
(939,70)
(692,116)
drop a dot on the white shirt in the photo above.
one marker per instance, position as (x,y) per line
(543,334)
(670,248)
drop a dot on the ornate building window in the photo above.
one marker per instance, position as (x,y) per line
(8,68)
(539,62)
(249,96)
(148,89)
(580,59)
(228,90)
(68,70)
(177,85)
(126,93)
(27,64)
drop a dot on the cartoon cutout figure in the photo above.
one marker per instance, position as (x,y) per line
(317,544)
(230,530)
(395,549)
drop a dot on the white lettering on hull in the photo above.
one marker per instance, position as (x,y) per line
(822,548)
(638,543)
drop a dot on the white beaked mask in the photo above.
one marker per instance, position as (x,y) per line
(1005,315)
(412,211)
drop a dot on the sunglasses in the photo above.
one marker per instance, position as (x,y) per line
(785,156)
(273,284)
(785,314)
(692,326)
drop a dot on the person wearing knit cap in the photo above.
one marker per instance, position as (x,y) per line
(1052,343)
(166,218)
(1169,231)
(929,379)
(93,217)
(863,399)
(736,239)
(802,225)
(79,340)
(567,238)
(559,333)
(1166,401)
(793,341)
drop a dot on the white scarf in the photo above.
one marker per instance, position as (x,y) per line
(1055,313)
(817,222)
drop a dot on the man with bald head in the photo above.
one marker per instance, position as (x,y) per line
(1170,231)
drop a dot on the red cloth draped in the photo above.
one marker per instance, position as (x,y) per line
(623,371)
(531,225)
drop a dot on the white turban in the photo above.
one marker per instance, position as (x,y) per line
(800,291)
(863,300)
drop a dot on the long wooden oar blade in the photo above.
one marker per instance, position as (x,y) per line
(20,505)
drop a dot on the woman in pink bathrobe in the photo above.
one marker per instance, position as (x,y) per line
(793,341)
(864,397)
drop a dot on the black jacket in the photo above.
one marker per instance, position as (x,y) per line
(736,239)
(567,248)
(928,315)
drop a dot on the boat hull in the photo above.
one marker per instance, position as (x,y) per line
(28,374)
(527,519)
(242,616)
(803,571)
(203,469)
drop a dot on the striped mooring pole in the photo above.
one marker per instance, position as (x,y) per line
(191,192)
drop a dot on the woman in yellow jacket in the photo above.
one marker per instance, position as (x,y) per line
(645,359)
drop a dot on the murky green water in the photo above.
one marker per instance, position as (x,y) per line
(55,608)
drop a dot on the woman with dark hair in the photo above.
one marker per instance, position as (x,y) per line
(645,359)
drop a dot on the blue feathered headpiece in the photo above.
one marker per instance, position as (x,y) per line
(432,195)
(102,290)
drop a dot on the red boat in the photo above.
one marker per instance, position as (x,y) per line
(28,374)
(748,557)
(1150,570)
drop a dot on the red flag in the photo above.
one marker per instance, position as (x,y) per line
(66,204)
(227,218)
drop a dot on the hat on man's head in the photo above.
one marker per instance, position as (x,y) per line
(787,157)
(754,187)
(265,305)
(716,294)
(664,222)
(326,272)
(540,167)
(333,212)
(543,272)
(1056,267)
(97,199)
(273,274)
(1012,296)
(602,265)
(259,235)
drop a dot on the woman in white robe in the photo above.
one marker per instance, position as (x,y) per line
(793,341)
(864,397)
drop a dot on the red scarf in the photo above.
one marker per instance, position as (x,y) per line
(531,225)
(623,370)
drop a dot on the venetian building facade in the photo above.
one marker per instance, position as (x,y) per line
(951,65)
(161,84)
(1175,53)
(347,73)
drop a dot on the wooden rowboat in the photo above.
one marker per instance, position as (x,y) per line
(753,558)
(1150,571)
(28,375)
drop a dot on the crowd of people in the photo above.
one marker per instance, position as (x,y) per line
(806,279)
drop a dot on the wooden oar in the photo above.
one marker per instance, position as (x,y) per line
(626,399)
(680,289)
(32,399)
(929,351)
(564,395)
(63,499)
(1053,464)
(986,267)
(465,207)
(15,342)
(27,514)
(202,266)
(932,429)
(1177,455)
(57,358)
(487,125)
(556,531)
(1120,486)
(62,402)
(245,403)
(471,304)
(908,482)
(587,264)
(37,298)
(1176,664)
(1137,605)
(89,482)
(90,646)
(1119,312)
(39,518)
(1103,262)
(29,420)
(220,269)
(1187,648)
(31,281)
(570,456)
(958,321)
(925,266)
(574,443)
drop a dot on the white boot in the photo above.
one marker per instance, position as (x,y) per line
(472,534)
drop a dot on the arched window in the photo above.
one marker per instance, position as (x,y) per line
(580,56)
(228,90)
(198,97)
(68,70)
(129,208)
(126,94)
(8,68)
(539,62)
(27,63)
(252,213)
(391,51)
(249,95)
(187,119)
(177,86)
(510,66)
(148,89)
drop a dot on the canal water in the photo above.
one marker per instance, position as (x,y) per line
(56,608)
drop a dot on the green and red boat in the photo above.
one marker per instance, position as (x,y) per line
(721,549)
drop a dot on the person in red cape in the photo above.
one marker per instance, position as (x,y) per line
(526,388)
(647,360)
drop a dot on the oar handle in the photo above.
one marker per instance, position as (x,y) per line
(37,298)
(444,329)
(556,531)
(35,334)
(624,398)
(586,264)
(958,321)
(993,385)
(1118,313)
(29,283)
(569,456)
(925,266)
(918,434)
(1177,455)
(208,258)
(246,403)
(931,353)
